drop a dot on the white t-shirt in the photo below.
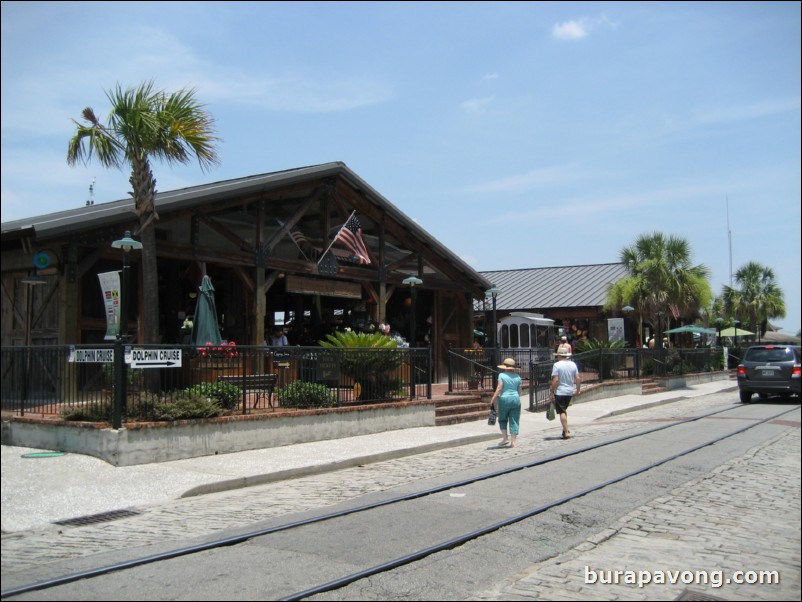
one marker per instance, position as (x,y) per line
(566,371)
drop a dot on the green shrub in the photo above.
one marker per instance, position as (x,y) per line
(227,395)
(301,394)
(92,412)
(184,406)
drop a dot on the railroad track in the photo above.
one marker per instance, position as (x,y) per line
(430,502)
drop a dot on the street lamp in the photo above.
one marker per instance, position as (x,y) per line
(658,346)
(126,244)
(29,281)
(493,293)
(627,309)
(412,282)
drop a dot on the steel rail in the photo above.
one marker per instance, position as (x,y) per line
(238,539)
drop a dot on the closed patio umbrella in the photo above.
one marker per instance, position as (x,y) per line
(205,328)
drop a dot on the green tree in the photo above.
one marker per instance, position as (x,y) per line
(145,123)
(661,280)
(757,299)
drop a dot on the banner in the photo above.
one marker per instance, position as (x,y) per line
(110,287)
(615,329)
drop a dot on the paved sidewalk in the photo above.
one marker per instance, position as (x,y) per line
(40,490)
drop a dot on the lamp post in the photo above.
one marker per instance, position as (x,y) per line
(627,309)
(126,244)
(735,326)
(658,346)
(412,282)
(493,293)
(29,281)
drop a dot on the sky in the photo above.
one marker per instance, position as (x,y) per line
(519,134)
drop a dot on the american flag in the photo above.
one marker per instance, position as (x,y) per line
(351,235)
(298,237)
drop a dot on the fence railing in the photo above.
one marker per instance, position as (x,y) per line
(78,380)
(469,368)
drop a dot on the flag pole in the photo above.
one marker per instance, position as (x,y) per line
(293,240)
(333,240)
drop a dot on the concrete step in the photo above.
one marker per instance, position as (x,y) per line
(649,387)
(464,408)
(454,409)
(458,418)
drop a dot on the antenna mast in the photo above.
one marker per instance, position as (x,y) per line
(91,200)
(729,235)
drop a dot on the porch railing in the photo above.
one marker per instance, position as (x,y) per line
(78,380)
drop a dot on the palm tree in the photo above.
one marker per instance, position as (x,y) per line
(662,281)
(758,299)
(146,123)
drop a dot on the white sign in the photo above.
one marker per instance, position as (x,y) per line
(154,358)
(88,356)
(615,329)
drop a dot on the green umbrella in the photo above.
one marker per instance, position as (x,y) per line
(691,328)
(732,332)
(205,328)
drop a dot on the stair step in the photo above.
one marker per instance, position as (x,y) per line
(458,418)
(470,408)
(460,407)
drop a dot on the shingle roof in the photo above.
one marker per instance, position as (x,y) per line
(557,287)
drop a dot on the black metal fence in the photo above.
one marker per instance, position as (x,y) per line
(165,382)
(472,369)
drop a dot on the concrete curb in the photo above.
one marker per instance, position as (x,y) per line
(305,471)
(656,403)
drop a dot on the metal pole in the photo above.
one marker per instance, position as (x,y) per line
(412,341)
(120,380)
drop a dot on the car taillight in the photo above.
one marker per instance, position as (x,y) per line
(741,370)
(796,372)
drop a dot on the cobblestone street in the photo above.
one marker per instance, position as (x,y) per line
(710,524)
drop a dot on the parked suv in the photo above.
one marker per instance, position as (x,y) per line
(770,370)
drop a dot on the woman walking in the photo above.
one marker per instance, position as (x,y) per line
(508,394)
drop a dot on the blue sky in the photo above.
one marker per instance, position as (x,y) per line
(519,134)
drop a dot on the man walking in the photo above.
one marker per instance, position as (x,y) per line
(565,383)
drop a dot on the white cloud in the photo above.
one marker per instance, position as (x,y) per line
(577,29)
(477,105)
(570,30)
(755,110)
(527,181)
(614,205)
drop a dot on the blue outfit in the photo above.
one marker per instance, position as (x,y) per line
(509,402)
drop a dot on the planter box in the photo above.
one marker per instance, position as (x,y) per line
(144,443)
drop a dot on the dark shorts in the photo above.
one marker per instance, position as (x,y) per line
(561,403)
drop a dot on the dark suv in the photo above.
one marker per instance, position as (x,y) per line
(770,370)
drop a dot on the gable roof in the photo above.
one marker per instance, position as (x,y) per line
(405,239)
(556,287)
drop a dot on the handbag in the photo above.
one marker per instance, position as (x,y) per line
(551,413)
(491,419)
